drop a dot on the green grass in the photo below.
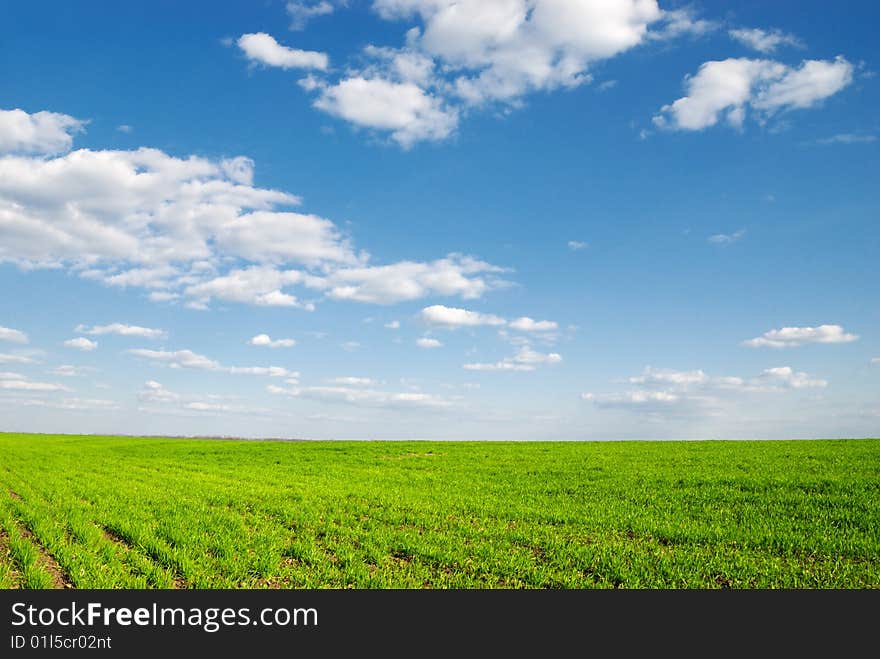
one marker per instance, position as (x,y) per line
(120,512)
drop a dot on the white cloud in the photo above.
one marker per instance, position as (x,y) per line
(453,317)
(404,109)
(43,133)
(677,23)
(787,337)
(124,128)
(455,275)
(787,377)
(24,384)
(264,340)
(525,359)
(669,377)
(81,343)
(577,245)
(12,335)
(439,315)
(355,381)
(69,371)
(666,391)
(301,12)
(123,330)
(350,346)
(394,324)
(847,138)
(74,404)
(764,41)
(6,358)
(427,342)
(726,238)
(257,285)
(11,376)
(154,392)
(632,398)
(875,360)
(195,230)
(262,48)
(191,360)
(460,54)
(365,397)
(724,89)
(526,324)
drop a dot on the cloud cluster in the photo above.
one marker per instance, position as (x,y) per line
(438,315)
(191,360)
(193,230)
(788,337)
(662,391)
(525,359)
(725,89)
(460,55)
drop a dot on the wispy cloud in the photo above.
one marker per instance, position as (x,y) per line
(726,238)
(788,337)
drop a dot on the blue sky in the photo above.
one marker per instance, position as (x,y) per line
(431,219)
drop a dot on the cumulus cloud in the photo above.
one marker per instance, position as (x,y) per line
(81,343)
(726,89)
(764,41)
(577,245)
(455,275)
(12,335)
(192,230)
(525,359)
(264,340)
(458,55)
(452,317)
(394,324)
(365,397)
(404,109)
(526,324)
(41,133)
(191,360)
(788,337)
(123,330)
(427,342)
(262,48)
(154,392)
(439,315)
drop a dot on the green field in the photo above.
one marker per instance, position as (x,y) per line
(121,512)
